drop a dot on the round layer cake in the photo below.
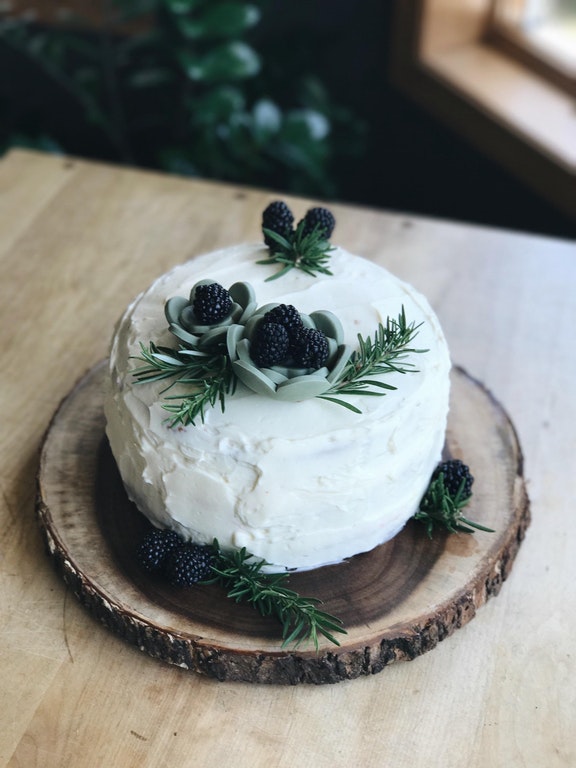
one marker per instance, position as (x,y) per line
(298,483)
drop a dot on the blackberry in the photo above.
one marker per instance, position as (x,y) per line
(270,344)
(155,549)
(321,219)
(287,316)
(188,564)
(211,303)
(278,218)
(454,472)
(310,348)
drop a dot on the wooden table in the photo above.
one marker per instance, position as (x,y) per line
(77,242)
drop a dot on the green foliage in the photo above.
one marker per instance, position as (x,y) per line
(309,252)
(386,354)
(208,378)
(246,581)
(441,509)
(174,84)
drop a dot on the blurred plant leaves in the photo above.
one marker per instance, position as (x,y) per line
(183,89)
(267,119)
(218,105)
(225,19)
(230,61)
(179,6)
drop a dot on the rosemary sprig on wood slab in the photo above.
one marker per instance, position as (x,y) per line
(300,617)
(447,495)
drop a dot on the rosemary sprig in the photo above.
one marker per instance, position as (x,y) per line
(165,363)
(385,354)
(209,376)
(300,617)
(440,509)
(207,393)
(308,252)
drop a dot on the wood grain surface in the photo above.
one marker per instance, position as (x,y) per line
(396,602)
(77,242)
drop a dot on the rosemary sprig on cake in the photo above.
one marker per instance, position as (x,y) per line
(192,405)
(166,363)
(450,490)
(307,247)
(273,353)
(207,375)
(384,354)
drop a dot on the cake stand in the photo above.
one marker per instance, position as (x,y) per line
(396,602)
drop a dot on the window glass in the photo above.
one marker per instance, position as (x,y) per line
(548,26)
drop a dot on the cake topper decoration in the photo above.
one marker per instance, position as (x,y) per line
(273,350)
(306,247)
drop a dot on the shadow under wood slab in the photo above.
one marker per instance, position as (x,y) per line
(396,602)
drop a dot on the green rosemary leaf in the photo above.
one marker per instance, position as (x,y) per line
(163,362)
(343,403)
(384,354)
(168,360)
(472,524)
(239,593)
(291,637)
(281,273)
(207,376)
(280,239)
(307,251)
(300,617)
(440,509)
(360,386)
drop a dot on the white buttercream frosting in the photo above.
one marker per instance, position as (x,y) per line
(298,484)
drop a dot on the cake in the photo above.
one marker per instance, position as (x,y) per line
(297,480)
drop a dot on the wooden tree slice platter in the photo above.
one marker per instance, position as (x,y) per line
(396,602)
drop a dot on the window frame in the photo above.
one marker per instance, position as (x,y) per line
(506,37)
(441,56)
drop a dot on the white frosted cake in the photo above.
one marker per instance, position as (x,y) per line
(297,483)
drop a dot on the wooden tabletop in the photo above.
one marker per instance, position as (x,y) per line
(77,242)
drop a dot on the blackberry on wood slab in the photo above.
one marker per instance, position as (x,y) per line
(454,472)
(189,564)
(155,549)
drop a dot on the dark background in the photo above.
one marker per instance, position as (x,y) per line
(411,162)
(387,152)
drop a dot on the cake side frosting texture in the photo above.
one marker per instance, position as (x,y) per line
(299,484)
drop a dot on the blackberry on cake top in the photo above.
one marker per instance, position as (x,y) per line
(320,219)
(278,218)
(271,344)
(287,316)
(211,304)
(310,348)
